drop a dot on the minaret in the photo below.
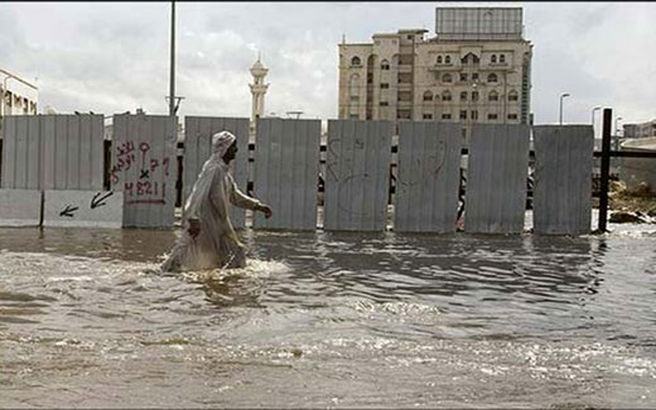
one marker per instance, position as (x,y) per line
(258,89)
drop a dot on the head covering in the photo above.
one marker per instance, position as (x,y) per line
(221,141)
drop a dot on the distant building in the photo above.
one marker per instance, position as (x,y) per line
(258,91)
(476,70)
(641,130)
(19,97)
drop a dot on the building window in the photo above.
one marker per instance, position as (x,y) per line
(353,84)
(491,116)
(512,96)
(384,85)
(463,115)
(493,59)
(409,37)
(474,115)
(405,78)
(463,96)
(474,95)
(355,61)
(474,76)
(428,116)
(353,116)
(446,78)
(428,96)
(502,58)
(404,96)
(403,114)
(446,96)
(512,116)
(446,116)
(493,96)
(384,104)
(463,76)
(492,78)
(384,65)
(439,59)
(447,59)
(355,98)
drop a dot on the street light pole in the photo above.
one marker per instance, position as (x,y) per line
(172,76)
(563,95)
(593,115)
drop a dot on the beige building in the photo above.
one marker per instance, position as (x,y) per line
(19,97)
(475,70)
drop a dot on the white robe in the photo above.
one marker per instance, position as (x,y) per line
(217,244)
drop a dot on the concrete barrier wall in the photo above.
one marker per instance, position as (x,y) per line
(287,172)
(20,207)
(428,177)
(53,152)
(562,200)
(86,209)
(357,175)
(495,199)
(144,169)
(197,149)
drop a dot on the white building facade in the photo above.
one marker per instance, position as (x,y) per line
(19,97)
(476,70)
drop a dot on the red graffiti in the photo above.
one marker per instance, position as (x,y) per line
(146,186)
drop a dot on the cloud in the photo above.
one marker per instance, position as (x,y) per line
(112,57)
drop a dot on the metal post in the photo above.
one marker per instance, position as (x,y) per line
(605,169)
(172,76)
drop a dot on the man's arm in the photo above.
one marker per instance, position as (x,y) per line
(241,200)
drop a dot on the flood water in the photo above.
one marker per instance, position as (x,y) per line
(330,320)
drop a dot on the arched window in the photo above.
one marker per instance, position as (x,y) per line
(355,60)
(354,84)
(493,96)
(470,58)
(447,59)
(492,78)
(446,78)
(384,65)
(446,96)
(493,59)
(512,96)
(428,96)
(439,59)
(502,58)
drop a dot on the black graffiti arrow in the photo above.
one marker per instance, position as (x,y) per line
(68,211)
(96,203)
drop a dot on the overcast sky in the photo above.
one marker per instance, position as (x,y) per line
(113,57)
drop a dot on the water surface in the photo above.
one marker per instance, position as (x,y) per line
(330,320)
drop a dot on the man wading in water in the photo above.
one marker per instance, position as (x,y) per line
(208,240)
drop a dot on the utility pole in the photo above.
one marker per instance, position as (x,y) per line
(172,75)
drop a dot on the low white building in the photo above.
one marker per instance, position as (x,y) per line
(640,130)
(19,96)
